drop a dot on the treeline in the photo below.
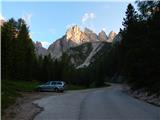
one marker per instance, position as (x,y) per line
(19,60)
(17,51)
(139,49)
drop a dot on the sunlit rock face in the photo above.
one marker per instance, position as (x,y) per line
(111,36)
(75,37)
(102,36)
(74,34)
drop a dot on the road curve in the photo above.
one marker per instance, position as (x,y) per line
(96,104)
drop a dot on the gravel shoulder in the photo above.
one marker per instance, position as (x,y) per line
(24,109)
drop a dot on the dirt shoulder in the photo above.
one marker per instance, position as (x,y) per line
(141,94)
(24,109)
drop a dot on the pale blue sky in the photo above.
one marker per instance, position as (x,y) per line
(48,21)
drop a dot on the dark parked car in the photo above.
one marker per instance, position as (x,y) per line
(58,86)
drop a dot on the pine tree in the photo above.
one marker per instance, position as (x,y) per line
(131,16)
(8,33)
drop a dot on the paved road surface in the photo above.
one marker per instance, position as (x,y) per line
(96,104)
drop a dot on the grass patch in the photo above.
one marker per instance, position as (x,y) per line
(10,90)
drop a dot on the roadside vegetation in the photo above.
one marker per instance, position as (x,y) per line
(11,90)
(139,49)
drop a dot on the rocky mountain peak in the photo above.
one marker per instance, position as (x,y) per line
(87,30)
(74,34)
(39,49)
(89,35)
(102,36)
(38,44)
(111,36)
(75,37)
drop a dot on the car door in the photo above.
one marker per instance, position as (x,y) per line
(52,87)
(46,86)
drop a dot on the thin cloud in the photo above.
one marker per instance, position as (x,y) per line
(27,17)
(87,17)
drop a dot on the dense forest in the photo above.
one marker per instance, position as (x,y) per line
(136,57)
(139,50)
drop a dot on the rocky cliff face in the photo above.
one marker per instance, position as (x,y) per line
(111,36)
(96,46)
(102,36)
(75,37)
(39,49)
(78,36)
(74,34)
(59,46)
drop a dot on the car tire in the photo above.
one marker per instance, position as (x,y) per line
(62,91)
(56,90)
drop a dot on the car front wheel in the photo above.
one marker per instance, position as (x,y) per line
(56,90)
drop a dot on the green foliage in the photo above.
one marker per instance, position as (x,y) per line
(139,48)
(18,55)
(10,90)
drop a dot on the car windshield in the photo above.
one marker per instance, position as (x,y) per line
(47,83)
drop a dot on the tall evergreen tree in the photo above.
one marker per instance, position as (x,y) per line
(18,55)
(8,33)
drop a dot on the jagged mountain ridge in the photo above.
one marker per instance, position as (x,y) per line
(80,46)
(73,37)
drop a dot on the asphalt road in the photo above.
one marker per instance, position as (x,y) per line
(96,104)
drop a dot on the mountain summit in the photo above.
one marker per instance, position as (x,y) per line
(74,37)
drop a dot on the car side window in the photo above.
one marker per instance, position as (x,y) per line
(59,83)
(53,83)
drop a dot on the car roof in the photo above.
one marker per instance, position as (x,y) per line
(56,81)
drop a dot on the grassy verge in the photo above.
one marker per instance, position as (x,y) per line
(10,90)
